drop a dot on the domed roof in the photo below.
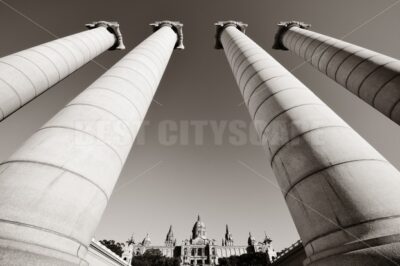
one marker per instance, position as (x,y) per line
(146,241)
(199,229)
(199,223)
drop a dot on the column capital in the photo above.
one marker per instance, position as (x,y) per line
(113,27)
(175,26)
(221,25)
(283,27)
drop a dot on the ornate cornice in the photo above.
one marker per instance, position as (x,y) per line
(113,27)
(175,26)
(221,25)
(283,27)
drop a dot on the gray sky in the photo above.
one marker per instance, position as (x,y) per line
(225,183)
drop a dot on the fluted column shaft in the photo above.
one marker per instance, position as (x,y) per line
(25,75)
(373,77)
(55,188)
(342,194)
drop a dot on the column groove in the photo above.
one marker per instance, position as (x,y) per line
(267,98)
(128,81)
(14,90)
(285,111)
(352,225)
(57,167)
(261,83)
(380,88)
(87,133)
(22,74)
(141,116)
(325,169)
(51,62)
(37,66)
(104,110)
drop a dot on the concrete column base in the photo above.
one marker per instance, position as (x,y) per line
(18,257)
(386,254)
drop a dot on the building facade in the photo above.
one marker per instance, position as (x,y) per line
(100,255)
(199,249)
(294,255)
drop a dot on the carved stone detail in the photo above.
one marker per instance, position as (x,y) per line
(175,26)
(112,27)
(284,26)
(221,25)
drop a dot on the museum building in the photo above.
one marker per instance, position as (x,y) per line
(199,250)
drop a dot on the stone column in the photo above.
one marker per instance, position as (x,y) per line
(342,194)
(54,189)
(27,74)
(373,77)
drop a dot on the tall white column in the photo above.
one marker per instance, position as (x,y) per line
(342,194)
(373,77)
(54,189)
(26,74)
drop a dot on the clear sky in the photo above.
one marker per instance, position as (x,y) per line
(225,182)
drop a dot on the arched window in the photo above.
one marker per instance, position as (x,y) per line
(185,251)
(213,251)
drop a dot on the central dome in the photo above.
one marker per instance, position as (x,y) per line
(199,223)
(199,229)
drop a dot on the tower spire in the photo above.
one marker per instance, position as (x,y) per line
(170,240)
(228,237)
(131,240)
(251,240)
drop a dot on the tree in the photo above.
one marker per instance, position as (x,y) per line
(153,257)
(115,247)
(253,259)
(153,253)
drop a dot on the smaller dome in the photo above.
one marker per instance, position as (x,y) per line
(146,241)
